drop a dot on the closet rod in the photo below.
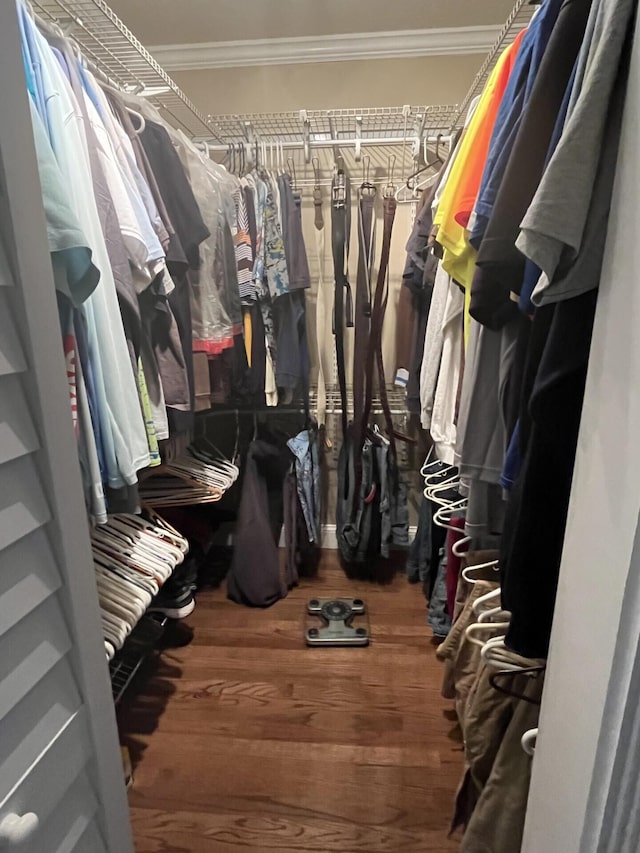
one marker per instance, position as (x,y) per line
(327,143)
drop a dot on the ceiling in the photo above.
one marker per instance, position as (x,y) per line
(157,22)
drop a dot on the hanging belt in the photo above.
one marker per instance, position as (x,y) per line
(366,245)
(321,310)
(373,358)
(340,227)
(374,352)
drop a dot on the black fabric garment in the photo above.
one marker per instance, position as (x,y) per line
(180,302)
(358,520)
(161,348)
(294,248)
(555,372)
(182,252)
(514,398)
(241,391)
(500,265)
(258,356)
(178,197)
(291,511)
(537,511)
(293,362)
(255,578)
(251,219)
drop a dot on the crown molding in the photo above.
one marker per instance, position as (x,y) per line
(329,48)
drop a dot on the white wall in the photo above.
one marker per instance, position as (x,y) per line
(331,85)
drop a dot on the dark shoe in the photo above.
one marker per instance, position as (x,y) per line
(174,606)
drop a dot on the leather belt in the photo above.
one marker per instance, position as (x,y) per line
(374,352)
(366,245)
(343,301)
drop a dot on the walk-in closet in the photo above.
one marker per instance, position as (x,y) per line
(318,426)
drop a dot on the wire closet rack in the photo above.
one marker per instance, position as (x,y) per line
(117,54)
(376,126)
(329,128)
(519,18)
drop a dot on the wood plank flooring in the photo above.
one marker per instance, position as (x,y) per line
(247,740)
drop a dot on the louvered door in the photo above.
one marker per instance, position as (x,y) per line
(61,784)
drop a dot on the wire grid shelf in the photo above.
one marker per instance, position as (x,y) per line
(116,52)
(140,644)
(402,123)
(519,18)
(397,401)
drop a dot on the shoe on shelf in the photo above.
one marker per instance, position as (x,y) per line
(174,606)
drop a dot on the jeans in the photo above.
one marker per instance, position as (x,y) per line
(438,618)
(308,480)
(419,556)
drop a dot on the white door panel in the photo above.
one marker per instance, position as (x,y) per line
(59,756)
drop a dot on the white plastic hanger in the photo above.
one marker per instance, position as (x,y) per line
(496,614)
(444,516)
(468,571)
(495,628)
(529,740)
(459,547)
(479,603)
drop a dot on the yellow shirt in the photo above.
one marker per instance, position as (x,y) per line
(459,194)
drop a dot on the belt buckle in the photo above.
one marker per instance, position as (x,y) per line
(367,190)
(339,192)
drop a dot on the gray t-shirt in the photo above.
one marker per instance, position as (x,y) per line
(576,275)
(481,437)
(553,228)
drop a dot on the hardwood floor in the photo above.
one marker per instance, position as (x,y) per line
(247,740)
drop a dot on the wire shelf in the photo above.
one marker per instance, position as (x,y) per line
(402,124)
(397,401)
(117,53)
(139,645)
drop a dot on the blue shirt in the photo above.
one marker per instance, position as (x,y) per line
(514,101)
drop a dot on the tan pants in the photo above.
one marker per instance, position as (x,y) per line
(461,658)
(487,716)
(497,823)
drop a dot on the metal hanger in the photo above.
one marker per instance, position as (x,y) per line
(143,123)
(496,677)
(437,161)
(366,187)
(291,166)
(390,188)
